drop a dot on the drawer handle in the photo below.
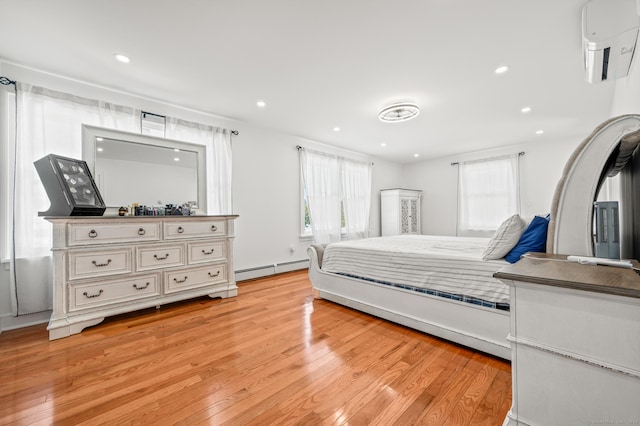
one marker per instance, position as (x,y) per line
(101,264)
(140,288)
(161,257)
(93,233)
(89,296)
(214,275)
(180,229)
(214,228)
(141,231)
(208,252)
(180,281)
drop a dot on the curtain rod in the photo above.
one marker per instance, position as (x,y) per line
(5,81)
(300,148)
(455,163)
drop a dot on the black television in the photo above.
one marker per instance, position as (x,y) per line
(69,186)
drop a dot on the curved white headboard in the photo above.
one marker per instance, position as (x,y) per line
(571,224)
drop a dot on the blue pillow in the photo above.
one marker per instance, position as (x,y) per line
(533,239)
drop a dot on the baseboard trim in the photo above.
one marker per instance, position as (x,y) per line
(268,270)
(9,322)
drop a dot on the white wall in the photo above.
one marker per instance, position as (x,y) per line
(626,99)
(540,169)
(266,181)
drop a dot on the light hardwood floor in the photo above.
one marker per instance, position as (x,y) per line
(272,355)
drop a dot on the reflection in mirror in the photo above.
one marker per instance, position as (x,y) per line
(132,168)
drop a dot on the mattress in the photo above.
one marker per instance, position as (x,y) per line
(450,267)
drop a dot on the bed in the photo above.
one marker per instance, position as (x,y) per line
(438,285)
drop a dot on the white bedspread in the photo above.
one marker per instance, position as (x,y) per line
(448,264)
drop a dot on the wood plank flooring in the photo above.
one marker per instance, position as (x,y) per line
(272,355)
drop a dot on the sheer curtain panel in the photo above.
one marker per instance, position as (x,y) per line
(321,177)
(336,188)
(356,197)
(488,193)
(47,122)
(219,160)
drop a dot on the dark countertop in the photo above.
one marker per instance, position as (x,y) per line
(554,270)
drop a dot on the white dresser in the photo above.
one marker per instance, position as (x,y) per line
(400,211)
(105,266)
(575,342)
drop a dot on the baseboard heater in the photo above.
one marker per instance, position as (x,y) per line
(267,270)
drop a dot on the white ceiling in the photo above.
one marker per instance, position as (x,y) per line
(332,63)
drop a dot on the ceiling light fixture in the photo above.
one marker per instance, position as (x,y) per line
(502,69)
(383,144)
(122,58)
(399,112)
(261,104)
(336,129)
(539,132)
(416,155)
(525,109)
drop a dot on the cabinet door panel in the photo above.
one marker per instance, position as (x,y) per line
(109,292)
(88,264)
(89,234)
(156,257)
(207,252)
(193,229)
(194,278)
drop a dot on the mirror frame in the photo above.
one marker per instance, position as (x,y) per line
(90,133)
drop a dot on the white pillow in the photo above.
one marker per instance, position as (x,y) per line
(505,238)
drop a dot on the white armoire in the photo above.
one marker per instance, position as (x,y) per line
(400,211)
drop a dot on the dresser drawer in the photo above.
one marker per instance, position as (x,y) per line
(89,264)
(194,229)
(108,292)
(156,257)
(87,234)
(207,252)
(194,278)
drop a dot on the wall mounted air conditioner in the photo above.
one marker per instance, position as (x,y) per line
(609,34)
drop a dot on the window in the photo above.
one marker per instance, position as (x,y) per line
(336,196)
(488,193)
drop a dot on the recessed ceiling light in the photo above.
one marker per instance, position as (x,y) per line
(539,132)
(525,110)
(261,104)
(99,139)
(416,155)
(176,149)
(383,144)
(122,58)
(99,149)
(176,159)
(336,129)
(399,112)
(502,69)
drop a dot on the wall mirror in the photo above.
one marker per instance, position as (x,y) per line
(133,168)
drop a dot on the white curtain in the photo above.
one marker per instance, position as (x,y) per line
(356,197)
(219,162)
(47,122)
(321,177)
(335,186)
(488,193)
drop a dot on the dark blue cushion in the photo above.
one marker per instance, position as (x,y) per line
(533,239)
